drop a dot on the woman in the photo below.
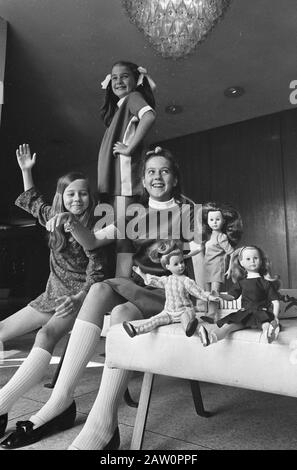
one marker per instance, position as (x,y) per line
(127,299)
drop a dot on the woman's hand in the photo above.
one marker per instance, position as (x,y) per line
(64,218)
(120,148)
(68,305)
(138,271)
(25,160)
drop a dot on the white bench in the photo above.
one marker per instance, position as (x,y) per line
(241,360)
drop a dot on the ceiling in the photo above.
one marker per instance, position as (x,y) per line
(60,50)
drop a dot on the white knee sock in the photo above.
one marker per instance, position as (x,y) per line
(28,374)
(80,349)
(103,417)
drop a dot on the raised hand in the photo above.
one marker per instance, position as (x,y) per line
(25,160)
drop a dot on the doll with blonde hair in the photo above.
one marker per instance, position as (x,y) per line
(178,288)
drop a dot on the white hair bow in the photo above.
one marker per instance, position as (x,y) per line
(106,81)
(143,73)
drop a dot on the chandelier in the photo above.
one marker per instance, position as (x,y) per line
(175,27)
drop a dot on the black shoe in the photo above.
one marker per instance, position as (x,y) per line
(207,319)
(114,442)
(191,327)
(129,328)
(25,434)
(3,424)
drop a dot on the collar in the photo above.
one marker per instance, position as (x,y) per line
(120,102)
(253,275)
(159,205)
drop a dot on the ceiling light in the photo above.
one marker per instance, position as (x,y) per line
(234,91)
(175,27)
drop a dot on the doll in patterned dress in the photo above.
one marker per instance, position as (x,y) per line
(178,288)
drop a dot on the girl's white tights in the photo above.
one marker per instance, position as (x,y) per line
(103,417)
(80,349)
(28,374)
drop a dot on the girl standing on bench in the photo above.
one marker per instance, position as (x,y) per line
(72,271)
(260,299)
(127,299)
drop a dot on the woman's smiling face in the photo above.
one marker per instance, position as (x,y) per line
(159,179)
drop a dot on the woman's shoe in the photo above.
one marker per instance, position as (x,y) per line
(25,434)
(114,442)
(3,424)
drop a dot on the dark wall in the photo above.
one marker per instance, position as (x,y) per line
(253,166)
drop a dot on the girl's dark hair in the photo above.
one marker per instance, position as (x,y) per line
(238,272)
(161,152)
(57,239)
(232,226)
(109,106)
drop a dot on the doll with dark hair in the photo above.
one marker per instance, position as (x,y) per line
(250,271)
(178,288)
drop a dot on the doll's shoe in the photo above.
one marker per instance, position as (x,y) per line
(3,424)
(203,335)
(114,442)
(129,328)
(191,327)
(293,344)
(273,331)
(207,319)
(25,434)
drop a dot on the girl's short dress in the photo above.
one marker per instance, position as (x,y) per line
(257,295)
(71,270)
(216,249)
(150,300)
(120,175)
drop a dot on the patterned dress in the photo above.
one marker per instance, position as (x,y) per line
(119,176)
(257,296)
(71,270)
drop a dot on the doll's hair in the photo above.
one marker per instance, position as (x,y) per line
(232,225)
(166,258)
(238,272)
(162,248)
(109,106)
(161,152)
(58,239)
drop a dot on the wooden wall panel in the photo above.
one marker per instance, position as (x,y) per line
(289,154)
(3,34)
(243,164)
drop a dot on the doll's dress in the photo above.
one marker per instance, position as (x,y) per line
(216,249)
(257,296)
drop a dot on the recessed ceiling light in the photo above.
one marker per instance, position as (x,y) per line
(234,91)
(173,109)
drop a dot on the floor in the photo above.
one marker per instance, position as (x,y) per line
(241,419)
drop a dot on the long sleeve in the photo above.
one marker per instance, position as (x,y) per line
(194,289)
(154,281)
(95,268)
(32,201)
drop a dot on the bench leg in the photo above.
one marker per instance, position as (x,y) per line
(142,411)
(197,397)
(56,374)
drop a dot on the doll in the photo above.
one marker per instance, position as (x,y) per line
(178,288)
(222,230)
(260,298)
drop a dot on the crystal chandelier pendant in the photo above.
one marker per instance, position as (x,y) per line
(175,27)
